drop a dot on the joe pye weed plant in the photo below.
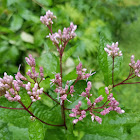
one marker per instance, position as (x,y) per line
(69,106)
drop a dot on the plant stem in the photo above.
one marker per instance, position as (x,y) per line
(62,105)
(113,72)
(51,97)
(127,83)
(11,108)
(30,105)
(37,117)
(128,78)
(61,67)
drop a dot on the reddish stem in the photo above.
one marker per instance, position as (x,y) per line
(30,105)
(128,78)
(11,108)
(132,83)
(37,117)
(51,97)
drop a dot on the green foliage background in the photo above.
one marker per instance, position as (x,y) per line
(21,33)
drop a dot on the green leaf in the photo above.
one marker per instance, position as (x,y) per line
(5,134)
(19,133)
(102,92)
(36,130)
(113,125)
(5,29)
(19,118)
(26,100)
(48,61)
(12,53)
(16,23)
(10,2)
(46,113)
(79,87)
(55,134)
(70,76)
(68,53)
(28,15)
(73,13)
(45,3)
(135,135)
(105,62)
(98,137)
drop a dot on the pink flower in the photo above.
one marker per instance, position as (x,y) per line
(113,50)
(75,121)
(98,119)
(47,19)
(99,99)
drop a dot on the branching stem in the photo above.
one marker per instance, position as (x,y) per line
(37,117)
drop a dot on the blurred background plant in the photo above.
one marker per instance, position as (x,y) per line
(21,33)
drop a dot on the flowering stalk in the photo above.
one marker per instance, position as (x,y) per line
(10,88)
(60,40)
(113,51)
(110,105)
(134,72)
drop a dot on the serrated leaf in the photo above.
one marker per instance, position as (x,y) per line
(36,130)
(68,53)
(16,23)
(105,62)
(50,115)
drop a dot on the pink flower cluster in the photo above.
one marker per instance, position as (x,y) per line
(32,73)
(19,79)
(82,72)
(5,82)
(84,94)
(9,87)
(65,36)
(12,95)
(113,50)
(57,80)
(34,92)
(62,92)
(110,105)
(77,112)
(47,19)
(135,66)
(97,118)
